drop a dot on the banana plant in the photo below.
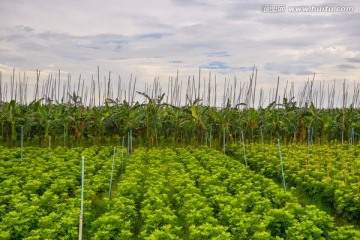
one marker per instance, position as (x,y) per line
(10,118)
(52,119)
(176,121)
(123,118)
(223,119)
(198,115)
(152,117)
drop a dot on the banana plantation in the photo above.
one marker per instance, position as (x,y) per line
(101,113)
(157,122)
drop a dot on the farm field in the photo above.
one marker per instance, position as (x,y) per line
(163,193)
(329,173)
(179,120)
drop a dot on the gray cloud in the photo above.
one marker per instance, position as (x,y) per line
(155,35)
(157,38)
(345,66)
(24,28)
(353,60)
(291,68)
(218,54)
(305,73)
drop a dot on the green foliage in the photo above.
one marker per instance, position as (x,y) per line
(328,173)
(183,193)
(155,122)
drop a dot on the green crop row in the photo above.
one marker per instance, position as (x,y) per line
(329,172)
(186,193)
(40,196)
(202,194)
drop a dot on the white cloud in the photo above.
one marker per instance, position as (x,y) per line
(155,38)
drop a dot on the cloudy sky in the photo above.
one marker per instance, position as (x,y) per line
(156,38)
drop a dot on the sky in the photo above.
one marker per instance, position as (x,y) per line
(151,39)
